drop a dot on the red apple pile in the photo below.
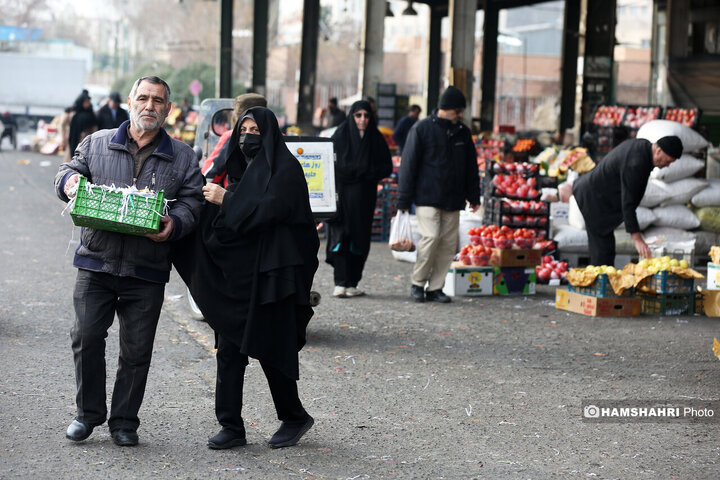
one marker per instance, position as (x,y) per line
(526,207)
(550,269)
(638,116)
(608,116)
(525,169)
(686,116)
(514,185)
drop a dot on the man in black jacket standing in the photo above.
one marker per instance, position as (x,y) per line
(111,115)
(610,193)
(438,173)
(404,125)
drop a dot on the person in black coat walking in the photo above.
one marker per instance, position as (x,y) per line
(249,267)
(363,159)
(112,115)
(83,122)
(438,173)
(610,193)
(403,126)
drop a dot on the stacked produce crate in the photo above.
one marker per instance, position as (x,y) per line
(512,197)
(606,120)
(385,210)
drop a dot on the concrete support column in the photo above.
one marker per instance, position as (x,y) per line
(569,76)
(223,79)
(260,42)
(489,71)
(462,49)
(308,64)
(678,18)
(433,59)
(371,47)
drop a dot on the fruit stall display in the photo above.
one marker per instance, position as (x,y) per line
(385,210)
(687,116)
(608,115)
(489,151)
(485,238)
(638,116)
(551,269)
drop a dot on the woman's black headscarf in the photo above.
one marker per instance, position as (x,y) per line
(355,155)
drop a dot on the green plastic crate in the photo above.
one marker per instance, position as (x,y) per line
(669,304)
(102,210)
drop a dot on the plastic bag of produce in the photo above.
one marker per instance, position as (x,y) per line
(709,218)
(655,130)
(676,216)
(683,167)
(401,235)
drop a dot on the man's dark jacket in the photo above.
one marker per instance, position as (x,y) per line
(439,166)
(105,117)
(611,192)
(401,130)
(104,159)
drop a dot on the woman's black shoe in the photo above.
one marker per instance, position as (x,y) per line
(227,438)
(289,434)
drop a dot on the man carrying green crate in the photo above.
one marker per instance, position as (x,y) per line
(124,273)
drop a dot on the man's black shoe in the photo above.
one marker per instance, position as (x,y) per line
(227,438)
(125,438)
(290,434)
(417,293)
(78,431)
(437,296)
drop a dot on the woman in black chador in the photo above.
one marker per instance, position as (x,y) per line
(363,159)
(250,268)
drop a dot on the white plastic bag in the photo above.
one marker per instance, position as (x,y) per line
(401,235)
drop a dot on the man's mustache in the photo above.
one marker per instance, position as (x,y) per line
(149,114)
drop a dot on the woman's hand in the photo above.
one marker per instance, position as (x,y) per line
(214,193)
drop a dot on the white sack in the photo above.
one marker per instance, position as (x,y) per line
(570,239)
(655,193)
(681,191)
(708,197)
(683,167)
(575,216)
(656,129)
(676,216)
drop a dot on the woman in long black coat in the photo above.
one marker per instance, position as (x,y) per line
(363,159)
(83,122)
(250,268)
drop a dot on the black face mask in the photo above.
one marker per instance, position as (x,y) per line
(250,144)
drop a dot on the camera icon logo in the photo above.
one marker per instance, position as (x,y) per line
(591,411)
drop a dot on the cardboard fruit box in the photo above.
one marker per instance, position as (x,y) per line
(511,257)
(464,280)
(597,306)
(514,281)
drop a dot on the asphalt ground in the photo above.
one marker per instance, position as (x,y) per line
(484,387)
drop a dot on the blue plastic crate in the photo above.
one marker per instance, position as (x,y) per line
(667,282)
(601,287)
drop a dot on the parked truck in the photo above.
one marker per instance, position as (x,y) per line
(35,87)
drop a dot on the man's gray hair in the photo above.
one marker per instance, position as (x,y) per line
(154,80)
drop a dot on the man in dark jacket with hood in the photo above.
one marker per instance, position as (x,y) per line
(610,193)
(439,174)
(125,274)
